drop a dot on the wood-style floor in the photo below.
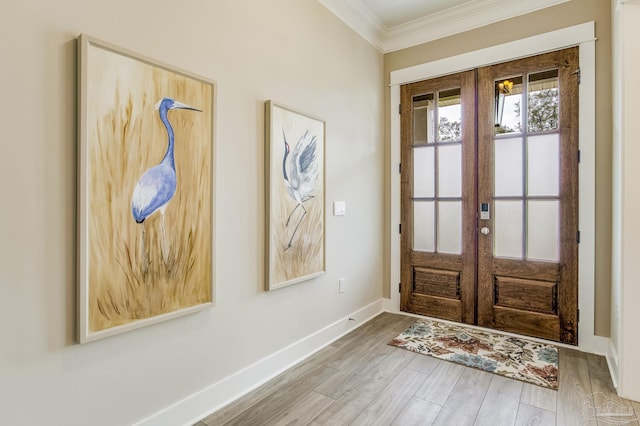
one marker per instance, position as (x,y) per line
(360,380)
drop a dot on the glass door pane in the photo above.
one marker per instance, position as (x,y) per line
(526,169)
(423,226)
(449,116)
(543,165)
(508,179)
(424,175)
(542,101)
(437,171)
(507,105)
(543,226)
(423,119)
(450,227)
(509,231)
(450,171)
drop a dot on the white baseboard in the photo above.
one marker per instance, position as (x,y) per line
(210,399)
(612,361)
(391,306)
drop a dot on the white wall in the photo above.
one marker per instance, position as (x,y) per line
(625,315)
(616,193)
(292,51)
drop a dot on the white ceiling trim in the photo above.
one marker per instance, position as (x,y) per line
(360,18)
(454,20)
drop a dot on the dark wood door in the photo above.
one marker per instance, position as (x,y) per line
(489,190)
(438,197)
(528,174)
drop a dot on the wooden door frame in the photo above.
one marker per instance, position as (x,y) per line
(463,309)
(582,35)
(564,325)
(446,286)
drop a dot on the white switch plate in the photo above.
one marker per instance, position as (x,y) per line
(341,285)
(339,208)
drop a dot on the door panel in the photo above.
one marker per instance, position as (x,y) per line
(438,197)
(527,262)
(509,170)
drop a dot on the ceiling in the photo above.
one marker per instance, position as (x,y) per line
(398,12)
(391,25)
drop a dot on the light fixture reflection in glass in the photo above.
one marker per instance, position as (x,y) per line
(503,88)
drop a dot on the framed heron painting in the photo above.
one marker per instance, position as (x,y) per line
(295,236)
(145,191)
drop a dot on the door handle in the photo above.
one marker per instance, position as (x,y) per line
(484,230)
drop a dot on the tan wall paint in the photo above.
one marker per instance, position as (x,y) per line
(292,51)
(557,17)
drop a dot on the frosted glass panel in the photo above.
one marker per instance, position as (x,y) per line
(423,116)
(450,171)
(450,227)
(423,172)
(508,229)
(450,116)
(423,226)
(543,165)
(543,231)
(508,167)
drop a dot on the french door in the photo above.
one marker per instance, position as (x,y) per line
(489,190)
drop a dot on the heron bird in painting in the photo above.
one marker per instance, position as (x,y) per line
(157,186)
(300,171)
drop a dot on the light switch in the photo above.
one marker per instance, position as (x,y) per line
(339,208)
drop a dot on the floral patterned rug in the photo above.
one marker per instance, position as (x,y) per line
(508,356)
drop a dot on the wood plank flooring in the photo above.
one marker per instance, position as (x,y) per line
(360,380)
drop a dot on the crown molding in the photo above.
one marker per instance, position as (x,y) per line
(360,18)
(467,16)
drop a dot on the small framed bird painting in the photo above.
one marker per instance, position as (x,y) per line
(295,222)
(145,191)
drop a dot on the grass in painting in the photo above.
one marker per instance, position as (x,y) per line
(306,254)
(128,277)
